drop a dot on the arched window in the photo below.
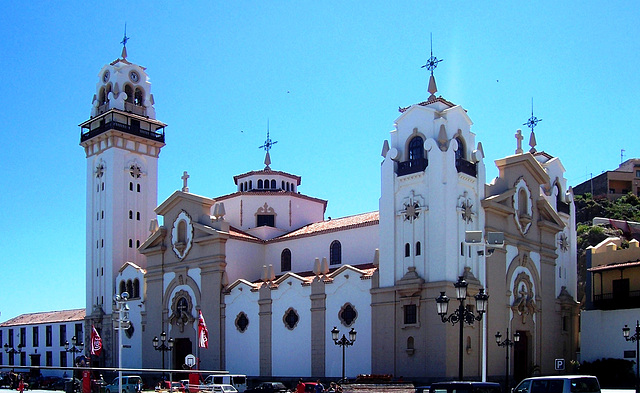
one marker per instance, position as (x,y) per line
(266,183)
(130,186)
(523,199)
(123,286)
(138,216)
(250,185)
(273,184)
(103,96)
(416,148)
(407,250)
(282,185)
(130,287)
(136,288)
(129,92)
(285,260)
(558,195)
(138,187)
(460,153)
(138,97)
(130,243)
(418,248)
(130,215)
(335,253)
(260,184)
(182,232)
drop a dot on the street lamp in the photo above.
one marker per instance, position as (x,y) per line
(74,349)
(162,345)
(12,351)
(462,314)
(506,344)
(634,338)
(123,323)
(344,342)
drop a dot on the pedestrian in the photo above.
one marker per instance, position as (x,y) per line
(300,386)
(21,385)
(319,387)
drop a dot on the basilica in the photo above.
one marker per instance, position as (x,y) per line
(272,276)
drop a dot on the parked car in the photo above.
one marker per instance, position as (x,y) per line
(223,389)
(559,384)
(130,384)
(465,387)
(268,387)
(176,386)
(309,387)
(422,389)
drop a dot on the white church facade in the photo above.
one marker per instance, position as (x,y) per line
(272,276)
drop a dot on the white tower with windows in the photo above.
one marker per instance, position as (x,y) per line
(122,142)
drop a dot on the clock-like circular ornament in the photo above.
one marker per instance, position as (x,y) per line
(134,76)
(182,235)
(105,76)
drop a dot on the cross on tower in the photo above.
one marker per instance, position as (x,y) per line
(267,143)
(533,121)
(184,178)
(124,42)
(433,61)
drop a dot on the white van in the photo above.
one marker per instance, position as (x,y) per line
(559,384)
(238,381)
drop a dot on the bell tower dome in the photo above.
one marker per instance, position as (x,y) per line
(122,141)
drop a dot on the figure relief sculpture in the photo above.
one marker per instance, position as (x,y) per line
(524,300)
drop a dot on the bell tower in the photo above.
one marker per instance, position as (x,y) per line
(122,141)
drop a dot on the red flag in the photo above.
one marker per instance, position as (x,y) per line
(203,333)
(96,342)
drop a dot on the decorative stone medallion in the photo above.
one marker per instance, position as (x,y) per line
(563,242)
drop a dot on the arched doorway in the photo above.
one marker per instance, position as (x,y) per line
(181,348)
(521,357)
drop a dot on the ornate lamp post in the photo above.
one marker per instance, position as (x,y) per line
(344,342)
(123,323)
(462,314)
(75,348)
(634,338)
(506,344)
(163,346)
(12,351)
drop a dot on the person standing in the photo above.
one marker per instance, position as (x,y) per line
(319,387)
(21,385)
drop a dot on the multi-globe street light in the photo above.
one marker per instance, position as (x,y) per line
(75,348)
(462,315)
(635,337)
(122,324)
(344,342)
(163,345)
(506,343)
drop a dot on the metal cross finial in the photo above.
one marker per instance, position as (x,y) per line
(533,121)
(433,61)
(125,38)
(268,143)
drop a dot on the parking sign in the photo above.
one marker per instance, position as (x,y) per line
(559,364)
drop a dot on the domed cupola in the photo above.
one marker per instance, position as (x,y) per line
(124,86)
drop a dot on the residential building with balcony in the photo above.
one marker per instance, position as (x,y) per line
(613,300)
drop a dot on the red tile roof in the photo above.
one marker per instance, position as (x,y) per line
(429,101)
(332,225)
(46,317)
(615,266)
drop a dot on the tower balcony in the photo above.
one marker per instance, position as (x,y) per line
(412,166)
(467,167)
(124,122)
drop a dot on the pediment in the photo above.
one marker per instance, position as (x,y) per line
(501,203)
(191,203)
(241,284)
(548,216)
(154,243)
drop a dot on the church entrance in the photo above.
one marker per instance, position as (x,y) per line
(181,348)
(521,357)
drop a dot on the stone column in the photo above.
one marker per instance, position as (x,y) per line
(265,315)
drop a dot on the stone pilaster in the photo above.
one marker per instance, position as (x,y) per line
(265,314)
(319,329)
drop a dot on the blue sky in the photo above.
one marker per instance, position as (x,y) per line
(327,76)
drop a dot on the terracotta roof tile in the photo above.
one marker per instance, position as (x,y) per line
(615,266)
(429,101)
(338,224)
(367,268)
(46,317)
